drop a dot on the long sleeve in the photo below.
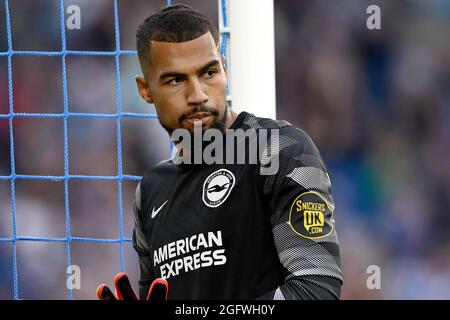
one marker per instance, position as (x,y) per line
(141,246)
(301,212)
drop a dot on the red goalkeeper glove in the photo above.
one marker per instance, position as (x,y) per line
(158,289)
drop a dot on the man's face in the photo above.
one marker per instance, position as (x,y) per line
(187,82)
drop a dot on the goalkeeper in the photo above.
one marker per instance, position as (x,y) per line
(225,231)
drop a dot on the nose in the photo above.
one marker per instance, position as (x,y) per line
(196,95)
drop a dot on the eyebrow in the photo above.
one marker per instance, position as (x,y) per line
(174,74)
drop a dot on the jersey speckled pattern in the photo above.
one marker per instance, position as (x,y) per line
(225,231)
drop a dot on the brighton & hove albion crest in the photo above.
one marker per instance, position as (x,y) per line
(217,187)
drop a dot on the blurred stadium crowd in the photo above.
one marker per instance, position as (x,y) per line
(376,102)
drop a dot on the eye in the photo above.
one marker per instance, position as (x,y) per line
(210,73)
(174,81)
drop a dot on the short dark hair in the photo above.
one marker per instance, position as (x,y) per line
(175,23)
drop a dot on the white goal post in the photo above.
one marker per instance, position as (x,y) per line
(251,55)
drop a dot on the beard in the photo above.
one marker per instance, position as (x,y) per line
(219,123)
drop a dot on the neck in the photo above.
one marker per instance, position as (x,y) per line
(232,115)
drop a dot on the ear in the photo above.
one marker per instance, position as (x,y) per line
(143,89)
(224,64)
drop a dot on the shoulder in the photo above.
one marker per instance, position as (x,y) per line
(288,133)
(287,141)
(155,176)
(254,122)
(150,182)
(156,171)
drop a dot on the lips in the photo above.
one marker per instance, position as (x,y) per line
(198,116)
(204,117)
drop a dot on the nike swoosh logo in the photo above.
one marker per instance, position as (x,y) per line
(154,213)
